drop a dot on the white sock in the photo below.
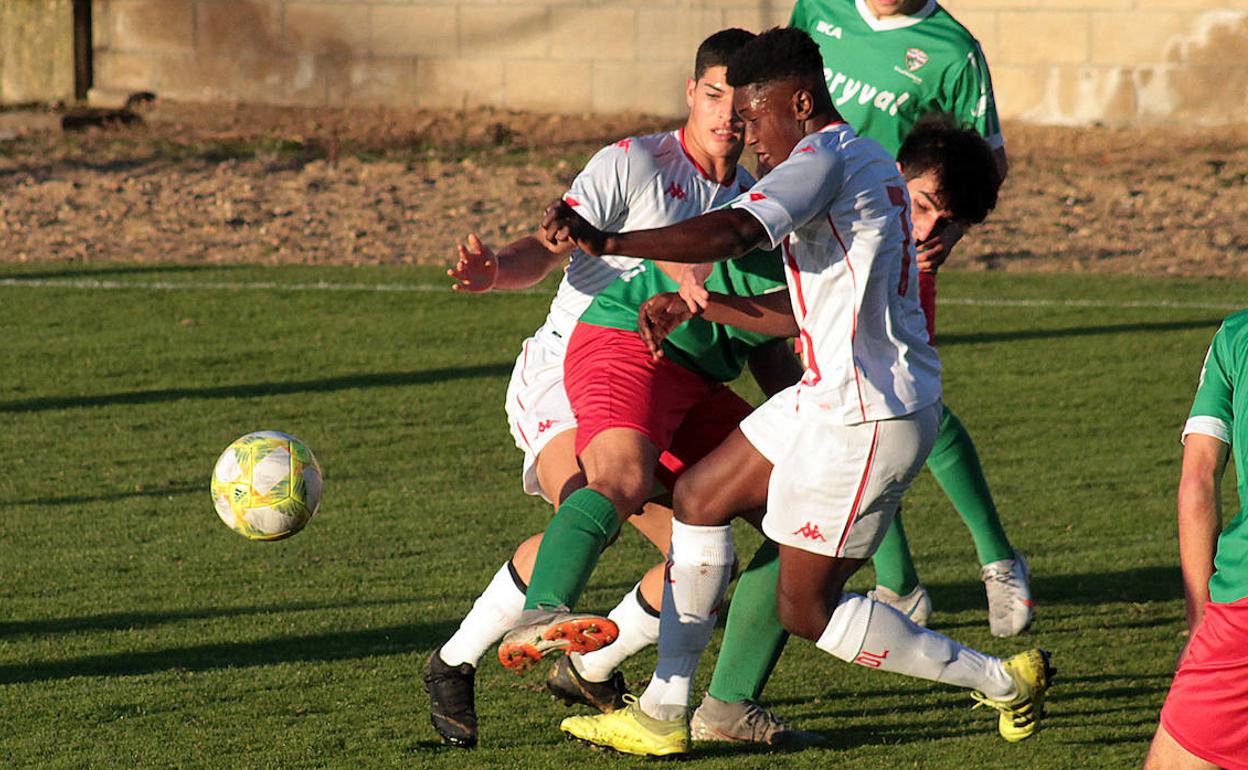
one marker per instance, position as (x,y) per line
(699,569)
(873,634)
(493,614)
(639,628)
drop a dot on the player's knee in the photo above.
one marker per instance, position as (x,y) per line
(627,491)
(695,504)
(799,615)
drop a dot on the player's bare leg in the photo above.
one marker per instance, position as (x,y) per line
(451,671)
(730,481)
(619,470)
(1165,753)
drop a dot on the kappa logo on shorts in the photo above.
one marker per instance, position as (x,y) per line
(810,532)
(568,199)
(676,191)
(544,425)
(757,197)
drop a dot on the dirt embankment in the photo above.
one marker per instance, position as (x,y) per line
(216,183)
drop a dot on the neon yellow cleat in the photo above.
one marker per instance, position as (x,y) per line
(1020,716)
(631,731)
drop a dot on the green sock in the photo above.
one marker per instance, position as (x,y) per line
(955,464)
(580,529)
(754,636)
(894,567)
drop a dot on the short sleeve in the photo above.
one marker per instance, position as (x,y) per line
(796,191)
(969,97)
(1212,410)
(600,192)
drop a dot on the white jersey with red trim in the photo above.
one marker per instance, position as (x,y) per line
(635,184)
(840,209)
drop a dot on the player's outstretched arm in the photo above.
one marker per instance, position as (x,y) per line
(1200,518)
(769,314)
(719,235)
(518,265)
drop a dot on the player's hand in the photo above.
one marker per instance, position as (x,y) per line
(932,253)
(693,286)
(476,270)
(658,317)
(561,225)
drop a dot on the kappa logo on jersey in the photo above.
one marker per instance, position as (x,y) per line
(915,58)
(810,532)
(831,30)
(545,425)
(871,659)
(675,191)
(624,144)
(573,202)
(808,148)
(757,197)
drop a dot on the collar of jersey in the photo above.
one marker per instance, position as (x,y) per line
(894,22)
(680,134)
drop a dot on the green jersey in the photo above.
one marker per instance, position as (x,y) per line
(715,351)
(885,74)
(1221,398)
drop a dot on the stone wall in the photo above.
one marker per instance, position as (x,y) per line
(36,51)
(1055,61)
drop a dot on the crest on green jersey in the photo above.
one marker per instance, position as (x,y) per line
(915,58)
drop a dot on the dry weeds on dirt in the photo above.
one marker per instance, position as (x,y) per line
(218,183)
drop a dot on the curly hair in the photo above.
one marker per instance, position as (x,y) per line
(966,171)
(780,53)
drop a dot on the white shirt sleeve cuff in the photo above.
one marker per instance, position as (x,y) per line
(1207,426)
(772,216)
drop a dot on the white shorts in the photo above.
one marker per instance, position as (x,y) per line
(835,488)
(537,406)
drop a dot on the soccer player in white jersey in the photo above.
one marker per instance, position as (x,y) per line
(830,457)
(639,182)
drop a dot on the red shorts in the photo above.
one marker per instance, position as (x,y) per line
(1207,708)
(612,381)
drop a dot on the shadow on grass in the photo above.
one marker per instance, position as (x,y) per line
(1139,584)
(342,645)
(92,272)
(125,621)
(1077,331)
(259,389)
(112,497)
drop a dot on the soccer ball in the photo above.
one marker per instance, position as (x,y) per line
(266,485)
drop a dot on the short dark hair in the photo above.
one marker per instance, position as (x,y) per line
(780,53)
(717,50)
(966,171)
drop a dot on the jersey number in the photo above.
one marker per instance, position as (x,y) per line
(897,196)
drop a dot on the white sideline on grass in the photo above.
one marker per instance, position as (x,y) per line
(90,283)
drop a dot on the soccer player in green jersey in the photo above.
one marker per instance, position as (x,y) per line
(1204,722)
(888,63)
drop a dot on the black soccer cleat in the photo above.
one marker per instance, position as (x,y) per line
(566,684)
(452,701)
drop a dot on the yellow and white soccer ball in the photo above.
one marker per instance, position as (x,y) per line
(266,485)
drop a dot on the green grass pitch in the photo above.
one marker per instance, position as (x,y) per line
(137,631)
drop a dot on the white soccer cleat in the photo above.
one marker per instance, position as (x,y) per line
(916,605)
(1008,583)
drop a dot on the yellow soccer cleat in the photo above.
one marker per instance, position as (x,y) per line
(1020,716)
(631,731)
